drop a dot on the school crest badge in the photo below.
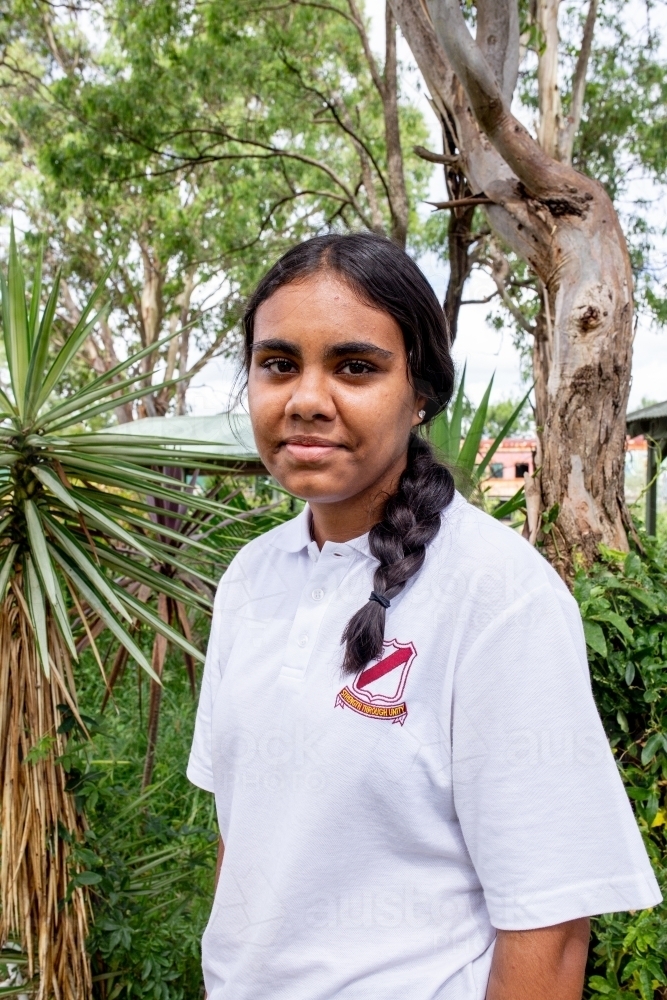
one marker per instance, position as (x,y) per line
(378,689)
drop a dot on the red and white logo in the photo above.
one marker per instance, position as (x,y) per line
(377,690)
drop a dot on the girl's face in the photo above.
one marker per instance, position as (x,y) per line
(330,400)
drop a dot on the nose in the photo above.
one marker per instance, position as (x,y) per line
(311,398)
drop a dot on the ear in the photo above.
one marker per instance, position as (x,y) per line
(419,410)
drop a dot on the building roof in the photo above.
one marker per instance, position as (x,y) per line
(650,420)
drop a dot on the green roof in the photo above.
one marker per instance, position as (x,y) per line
(225,435)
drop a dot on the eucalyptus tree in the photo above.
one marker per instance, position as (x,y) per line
(548,232)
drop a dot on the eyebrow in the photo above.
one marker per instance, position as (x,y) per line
(356,347)
(276,345)
(331,353)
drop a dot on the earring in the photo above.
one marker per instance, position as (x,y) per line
(421,414)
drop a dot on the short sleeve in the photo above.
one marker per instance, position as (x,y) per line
(199,770)
(538,795)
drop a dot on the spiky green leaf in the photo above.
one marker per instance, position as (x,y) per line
(146,614)
(37,609)
(502,434)
(6,569)
(15,323)
(35,297)
(52,483)
(111,527)
(468,454)
(79,556)
(40,351)
(62,618)
(104,382)
(98,605)
(39,551)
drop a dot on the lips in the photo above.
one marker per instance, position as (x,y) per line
(310,449)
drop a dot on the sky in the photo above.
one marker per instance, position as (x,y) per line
(485,350)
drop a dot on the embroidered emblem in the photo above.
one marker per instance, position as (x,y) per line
(378,689)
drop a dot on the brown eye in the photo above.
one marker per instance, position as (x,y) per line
(279,366)
(356,367)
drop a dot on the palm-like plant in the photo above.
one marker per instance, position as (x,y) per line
(80,550)
(460,453)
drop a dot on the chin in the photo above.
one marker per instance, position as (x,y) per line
(314,486)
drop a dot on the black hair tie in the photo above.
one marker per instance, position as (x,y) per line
(380,599)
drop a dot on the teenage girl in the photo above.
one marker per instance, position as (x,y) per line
(415,794)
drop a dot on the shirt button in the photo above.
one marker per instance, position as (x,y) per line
(302,640)
(317,594)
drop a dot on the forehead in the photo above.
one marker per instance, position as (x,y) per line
(323,309)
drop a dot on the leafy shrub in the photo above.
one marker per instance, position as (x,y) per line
(623,600)
(149,857)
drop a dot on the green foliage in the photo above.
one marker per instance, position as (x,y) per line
(459,449)
(622,600)
(70,506)
(192,144)
(499,413)
(148,858)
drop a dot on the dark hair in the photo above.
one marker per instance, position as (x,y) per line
(384,276)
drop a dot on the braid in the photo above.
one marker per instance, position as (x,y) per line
(411,520)
(386,278)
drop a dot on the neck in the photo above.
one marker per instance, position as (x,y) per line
(341,520)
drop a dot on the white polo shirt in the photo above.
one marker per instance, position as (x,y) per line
(378,829)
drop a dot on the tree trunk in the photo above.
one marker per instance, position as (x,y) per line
(179,318)
(398,197)
(564,225)
(459,235)
(386,84)
(40,822)
(152,313)
(548,91)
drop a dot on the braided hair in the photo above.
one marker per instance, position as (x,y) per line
(385,277)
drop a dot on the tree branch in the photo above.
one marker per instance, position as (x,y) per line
(498,38)
(480,302)
(341,116)
(268,152)
(358,22)
(398,196)
(499,272)
(548,89)
(425,154)
(571,127)
(460,202)
(539,172)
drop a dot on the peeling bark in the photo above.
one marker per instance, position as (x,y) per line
(564,225)
(548,91)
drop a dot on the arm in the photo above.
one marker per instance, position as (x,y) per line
(218,864)
(543,964)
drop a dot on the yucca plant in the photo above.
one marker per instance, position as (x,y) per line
(79,551)
(181,527)
(460,452)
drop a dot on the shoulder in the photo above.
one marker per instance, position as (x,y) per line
(491,563)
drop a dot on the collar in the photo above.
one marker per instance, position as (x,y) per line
(294,536)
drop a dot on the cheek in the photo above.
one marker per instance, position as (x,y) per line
(380,413)
(265,402)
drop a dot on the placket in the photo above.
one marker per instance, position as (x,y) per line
(330,570)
